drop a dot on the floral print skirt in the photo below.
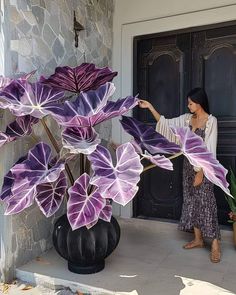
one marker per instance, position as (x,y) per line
(199,205)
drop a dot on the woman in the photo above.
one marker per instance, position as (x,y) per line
(199,211)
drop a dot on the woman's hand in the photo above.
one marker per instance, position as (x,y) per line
(232,216)
(198,178)
(144,104)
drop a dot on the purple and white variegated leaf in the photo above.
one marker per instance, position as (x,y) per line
(78,113)
(136,147)
(83,208)
(147,138)
(28,75)
(80,140)
(21,126)
(90,225)
(8,182)
(106,213)
(81,78)
(35,170)
(24,98)
(4,81)
(159,160)
(17,202)
(7,185)
(194,148)
(50,195)
(114,109)
(116,182)
(4,138)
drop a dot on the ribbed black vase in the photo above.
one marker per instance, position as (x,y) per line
(86,250)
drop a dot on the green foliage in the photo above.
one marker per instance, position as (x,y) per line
(232,201)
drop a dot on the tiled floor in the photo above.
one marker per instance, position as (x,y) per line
(148,259)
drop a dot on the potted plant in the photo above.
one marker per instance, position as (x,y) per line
(232,203)
(78,99)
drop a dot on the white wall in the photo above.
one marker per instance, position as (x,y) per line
(137,17)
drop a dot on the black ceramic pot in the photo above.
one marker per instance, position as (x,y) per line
(86,250)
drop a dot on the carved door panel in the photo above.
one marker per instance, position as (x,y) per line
(163,80)
(214,67)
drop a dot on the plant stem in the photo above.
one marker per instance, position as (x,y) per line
(34,138)
(171,157)
(82,164)
(56,147)
(87,166)
(176,155)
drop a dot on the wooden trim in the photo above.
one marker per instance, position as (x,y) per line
(187,30)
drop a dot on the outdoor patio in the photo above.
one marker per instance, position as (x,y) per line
(149,260)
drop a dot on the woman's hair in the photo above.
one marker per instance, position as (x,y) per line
(198,95)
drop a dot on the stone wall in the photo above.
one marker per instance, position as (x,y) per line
(42,34)
(38,35)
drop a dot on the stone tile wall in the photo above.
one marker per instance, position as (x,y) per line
(42,34)
(39,35)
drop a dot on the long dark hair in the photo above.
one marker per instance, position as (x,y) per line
(198,95)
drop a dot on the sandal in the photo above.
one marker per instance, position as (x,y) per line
(215,256)
(193,244)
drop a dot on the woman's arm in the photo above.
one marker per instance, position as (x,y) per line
(147,105)
(211,135)
(163,124)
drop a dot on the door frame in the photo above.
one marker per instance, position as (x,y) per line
(123,56)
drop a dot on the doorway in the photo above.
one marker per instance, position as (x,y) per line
(166,67)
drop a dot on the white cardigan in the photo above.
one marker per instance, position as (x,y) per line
(163,127)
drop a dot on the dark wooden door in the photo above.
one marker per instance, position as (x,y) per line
(214,67)
(165,69)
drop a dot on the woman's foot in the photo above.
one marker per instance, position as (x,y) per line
(194,244)
(215,254)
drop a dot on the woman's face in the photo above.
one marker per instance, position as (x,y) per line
(193,107)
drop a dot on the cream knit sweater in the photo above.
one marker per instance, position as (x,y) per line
(163,127)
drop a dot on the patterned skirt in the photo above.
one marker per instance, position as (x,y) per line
(199,205)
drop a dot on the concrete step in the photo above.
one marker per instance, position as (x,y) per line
(148,260)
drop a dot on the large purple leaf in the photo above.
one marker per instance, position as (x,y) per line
(194,148)
(21,126)
(4,81)
(50,195)
(7,185)
(80,140)
(92,108)
(159,160)
(79,112)
(23,98)
(114,109)
(81,78)
(8,182)
(4,138)
(147,138)
(117,182)
(35,170)
(106,213)
(83,208)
